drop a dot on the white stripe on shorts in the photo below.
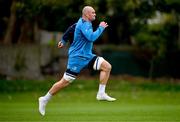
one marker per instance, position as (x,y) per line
(97,63)
(69,77)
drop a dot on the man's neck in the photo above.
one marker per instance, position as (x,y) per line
(85,18)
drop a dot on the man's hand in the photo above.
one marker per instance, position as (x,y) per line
(60,44)
(103,24)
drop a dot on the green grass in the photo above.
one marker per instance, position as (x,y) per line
(81,106)
(77,103)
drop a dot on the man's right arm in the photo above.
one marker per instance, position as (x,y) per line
(68,35)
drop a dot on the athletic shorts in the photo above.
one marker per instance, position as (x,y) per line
(75,65)
(79,63)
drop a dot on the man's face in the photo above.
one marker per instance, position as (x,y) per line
(91,14)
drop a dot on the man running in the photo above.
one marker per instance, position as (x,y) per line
(81,56)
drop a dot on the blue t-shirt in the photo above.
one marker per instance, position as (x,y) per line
(83,39)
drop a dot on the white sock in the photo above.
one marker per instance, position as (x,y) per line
(47,97)
(102,88)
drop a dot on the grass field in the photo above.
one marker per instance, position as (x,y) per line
(136,103)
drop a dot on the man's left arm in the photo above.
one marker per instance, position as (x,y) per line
(87,30)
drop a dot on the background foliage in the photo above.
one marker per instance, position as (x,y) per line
(151,26)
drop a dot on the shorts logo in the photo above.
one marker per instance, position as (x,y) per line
(74,68)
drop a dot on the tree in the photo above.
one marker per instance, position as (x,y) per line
(158,38)
(11,25)
(173,8)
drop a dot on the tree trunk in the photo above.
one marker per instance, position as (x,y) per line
(151,69)
(36,33)
(24,30)
(178,31)
(11,25)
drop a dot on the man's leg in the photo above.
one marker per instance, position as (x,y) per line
(105,69)
(65,81)
(58,86)
(54,89)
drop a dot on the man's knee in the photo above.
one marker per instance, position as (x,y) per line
(102,64)
(108,66)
